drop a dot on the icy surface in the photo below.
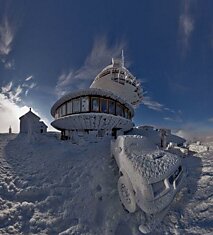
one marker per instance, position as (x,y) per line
(150,162)
(53,187)
(153,164)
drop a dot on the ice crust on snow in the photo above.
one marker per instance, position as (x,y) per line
(150,162)
(153,165)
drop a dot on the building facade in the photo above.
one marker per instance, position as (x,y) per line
(30,123)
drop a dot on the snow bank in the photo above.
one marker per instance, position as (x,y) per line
(198,148)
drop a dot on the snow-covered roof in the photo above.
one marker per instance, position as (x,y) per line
(90,91)
(30,114)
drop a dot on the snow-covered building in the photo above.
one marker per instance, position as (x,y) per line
(30,123)
(89,110)
(159,136)
(117,79)
(107,107)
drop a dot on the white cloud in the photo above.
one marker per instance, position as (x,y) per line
(7,33)
(10,113)
(186,25)
(210,119)
(9,64)
(175,118)
(151,104)
(12,93)
(195,131)
(101,55)
(7,88)
(29,78)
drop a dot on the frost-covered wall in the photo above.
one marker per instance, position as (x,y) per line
(92,121)
(30,123)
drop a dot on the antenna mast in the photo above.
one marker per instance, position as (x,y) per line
(122,58)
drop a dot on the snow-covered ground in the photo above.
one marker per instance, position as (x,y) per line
(50,186)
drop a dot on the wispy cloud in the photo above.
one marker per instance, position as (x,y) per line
(172,115)
(174,118)
(152,104)
(195,131)
(29,78)
(7,34)
(8,29)
(186,25)
(14,92)
(210,119)
(100,55)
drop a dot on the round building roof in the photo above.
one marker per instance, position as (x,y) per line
(117,79)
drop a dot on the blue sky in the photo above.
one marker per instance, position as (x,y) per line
(48,48)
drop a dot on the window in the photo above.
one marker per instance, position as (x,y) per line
(95,104)
(115,71)
(85,104)
(129,115)
(126,113)
(121,81)
(119,110)
(56,114)
(104,106)
(63,110)
(69,107)
(104,73)
(76,105)
(111,107)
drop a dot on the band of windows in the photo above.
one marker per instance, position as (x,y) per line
(87,104)
(120,77)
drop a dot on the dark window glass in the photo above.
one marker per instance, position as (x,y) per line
(57,114)
(63,110)
(126,113)
(95,104)
(76,105)
(119,110)
(129,115)
(69,107)
(111,107)
(85,104)
(104,108)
